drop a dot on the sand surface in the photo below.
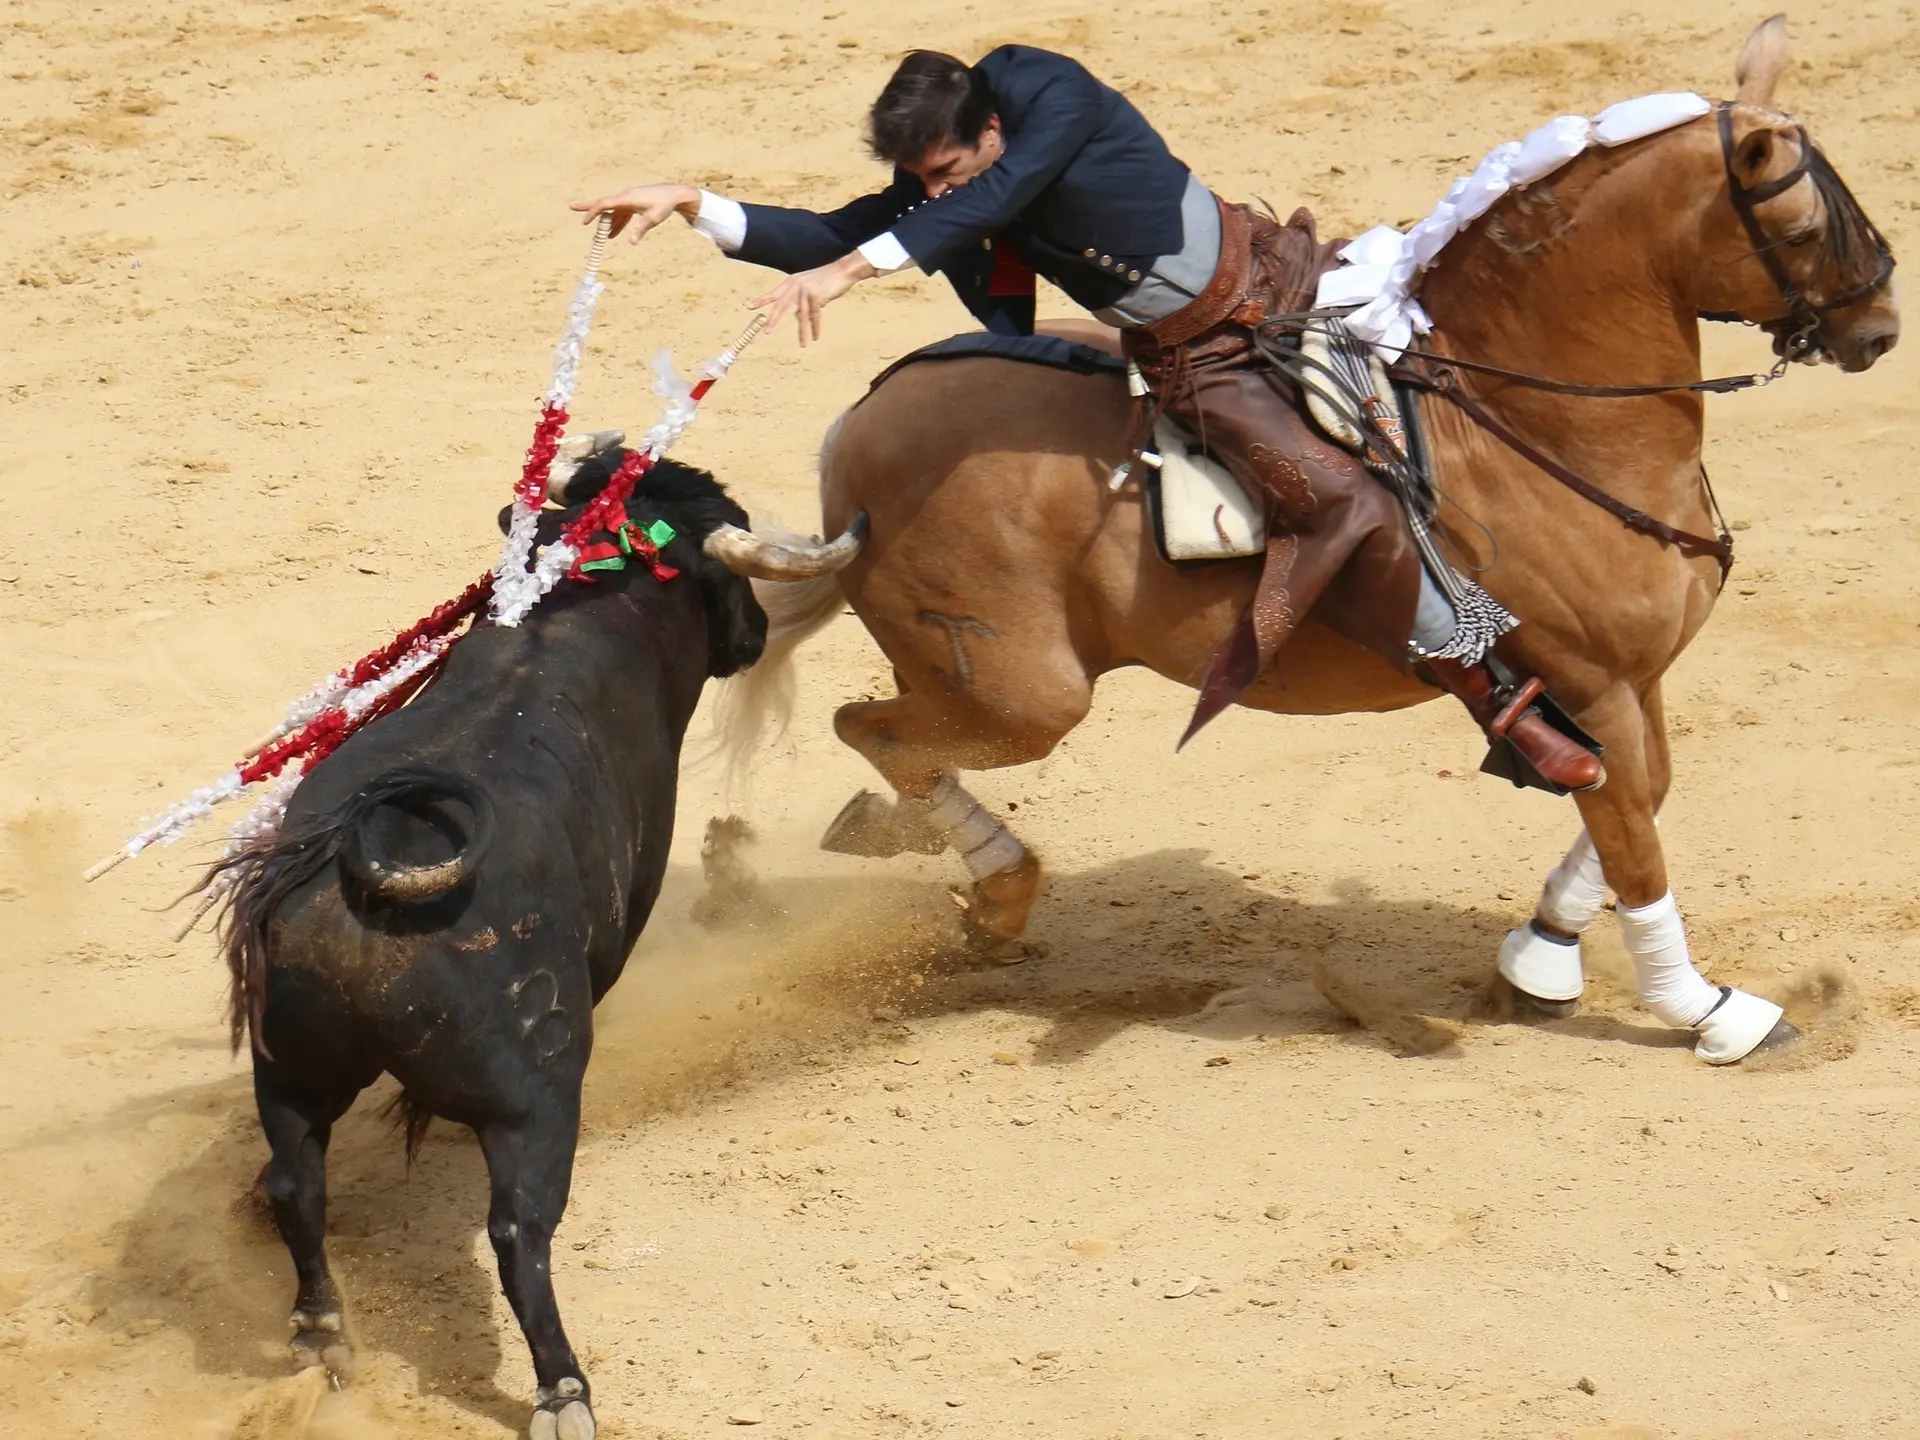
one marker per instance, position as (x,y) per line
(278,286)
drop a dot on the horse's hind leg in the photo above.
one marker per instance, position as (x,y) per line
(918,739)
(530,1165)
(1731,1023)
(298,1128)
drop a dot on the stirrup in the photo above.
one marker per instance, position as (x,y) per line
(1504,759)
(1526,695)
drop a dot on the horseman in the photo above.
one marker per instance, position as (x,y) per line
(1025,164)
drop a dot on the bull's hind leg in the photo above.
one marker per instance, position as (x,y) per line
(298,1128)
(530,1164)
(1007,705)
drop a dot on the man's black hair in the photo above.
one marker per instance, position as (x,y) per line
(932,99)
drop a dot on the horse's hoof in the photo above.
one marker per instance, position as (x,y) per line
(1741,1025)
(318,1341)
(1544,972)
(998,906)
(562,1413)
(1001,952)
(1532,1007)
(876,829)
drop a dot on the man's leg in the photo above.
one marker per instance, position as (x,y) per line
(1337,539)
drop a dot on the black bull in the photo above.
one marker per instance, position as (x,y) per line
(458,885)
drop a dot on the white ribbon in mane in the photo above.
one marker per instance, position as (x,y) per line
(1381,270)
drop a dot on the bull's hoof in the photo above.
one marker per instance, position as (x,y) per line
(876,829)
(562,1413)
(318,1340)
(999,905)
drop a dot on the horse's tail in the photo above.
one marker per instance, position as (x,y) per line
(266,875)
(755,707)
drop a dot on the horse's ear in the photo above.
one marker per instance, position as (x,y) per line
(1753,155)
(1761,60)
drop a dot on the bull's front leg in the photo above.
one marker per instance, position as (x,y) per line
(1731,1024)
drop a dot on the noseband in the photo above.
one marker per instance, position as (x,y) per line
(1798,328)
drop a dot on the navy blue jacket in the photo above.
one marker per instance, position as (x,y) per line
(1084,178)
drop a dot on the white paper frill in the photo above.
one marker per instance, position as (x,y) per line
(1380,271)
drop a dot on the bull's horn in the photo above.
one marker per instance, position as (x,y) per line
(593,442)
(790,557)
(573,452)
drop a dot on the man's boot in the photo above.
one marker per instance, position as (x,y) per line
(1508,713)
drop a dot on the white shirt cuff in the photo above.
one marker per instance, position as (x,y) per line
(722,221)
(885,254)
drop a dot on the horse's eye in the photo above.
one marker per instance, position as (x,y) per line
(1805,237)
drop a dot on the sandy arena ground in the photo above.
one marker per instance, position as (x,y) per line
(280,284)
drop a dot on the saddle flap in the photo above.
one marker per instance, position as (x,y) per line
(1203,513)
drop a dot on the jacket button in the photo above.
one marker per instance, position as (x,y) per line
(986,244)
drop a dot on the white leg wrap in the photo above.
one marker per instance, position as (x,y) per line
(984,843)
(1730,1022)
(1670,987)
(1543,966)
(1574,891)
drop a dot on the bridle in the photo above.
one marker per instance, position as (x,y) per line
(1797,330)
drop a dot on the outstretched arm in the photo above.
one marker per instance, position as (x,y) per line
(642,208)
(824,254)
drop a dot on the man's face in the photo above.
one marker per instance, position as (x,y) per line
(948,167)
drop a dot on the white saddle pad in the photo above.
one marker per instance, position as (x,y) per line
(1204,513)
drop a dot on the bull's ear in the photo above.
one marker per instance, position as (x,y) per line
(1762,60)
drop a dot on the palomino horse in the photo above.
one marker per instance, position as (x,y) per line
(1002,576)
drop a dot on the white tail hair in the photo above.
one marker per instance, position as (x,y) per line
(755,707)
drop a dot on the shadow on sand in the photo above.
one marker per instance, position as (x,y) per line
(1166,939)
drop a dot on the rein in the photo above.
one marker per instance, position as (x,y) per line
(1720,547)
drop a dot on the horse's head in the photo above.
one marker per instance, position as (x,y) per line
(1786,244)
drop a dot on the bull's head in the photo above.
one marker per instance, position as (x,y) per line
(730,553)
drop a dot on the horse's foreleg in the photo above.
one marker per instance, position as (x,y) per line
(1542,958)
(1620,824)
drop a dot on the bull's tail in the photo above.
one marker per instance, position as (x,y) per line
(755,707)
(264,877)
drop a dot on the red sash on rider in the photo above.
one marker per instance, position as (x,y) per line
(1011,275)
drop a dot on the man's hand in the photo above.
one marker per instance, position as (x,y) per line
(808,292)
(645,205)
